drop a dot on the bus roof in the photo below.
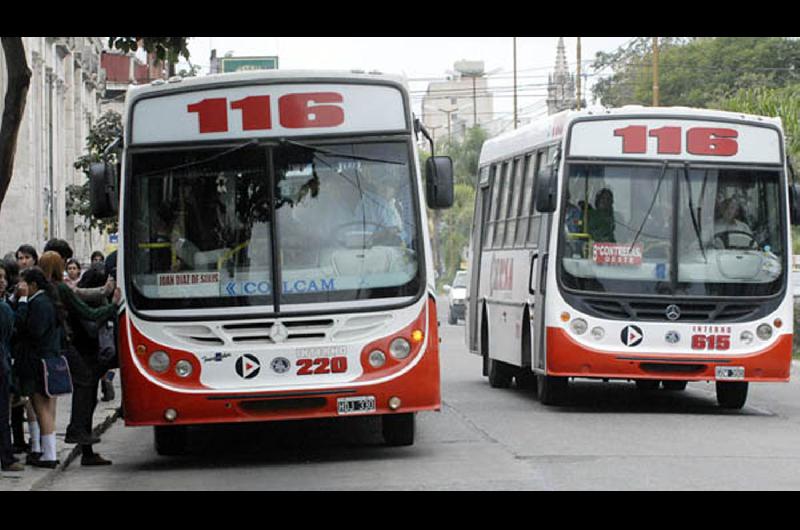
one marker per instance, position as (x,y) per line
(552,128)
(289,76)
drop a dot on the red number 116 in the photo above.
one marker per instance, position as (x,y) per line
(699,140)
(295,111)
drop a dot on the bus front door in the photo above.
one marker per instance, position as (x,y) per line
(479,220)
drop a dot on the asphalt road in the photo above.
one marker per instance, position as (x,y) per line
(607,437)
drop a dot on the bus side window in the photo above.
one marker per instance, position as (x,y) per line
(513,203)
(493,178)
(536,218)
(526,201)
(505,191)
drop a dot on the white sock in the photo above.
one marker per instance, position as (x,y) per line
(49,446)
(33,430)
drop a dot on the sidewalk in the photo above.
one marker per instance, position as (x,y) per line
(104,415)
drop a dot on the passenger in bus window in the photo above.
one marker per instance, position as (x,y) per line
(600,225)
(378,210)
(729,230)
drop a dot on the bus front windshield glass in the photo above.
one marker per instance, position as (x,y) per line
(203,222)
(618,223)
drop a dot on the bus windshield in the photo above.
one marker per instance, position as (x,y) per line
(203,221)
(672,229)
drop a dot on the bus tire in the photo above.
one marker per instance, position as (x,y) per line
(451,320)
(731,394)
(526,380)
(647,385)
(551,390)
(398,429)
(170,440)
(500,374)
(673,385)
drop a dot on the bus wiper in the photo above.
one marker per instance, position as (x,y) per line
(324,151)
(691,210)
(652,203)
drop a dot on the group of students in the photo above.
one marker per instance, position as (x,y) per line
(49,309)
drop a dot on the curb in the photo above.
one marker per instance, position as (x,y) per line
(75,452)
(97,431)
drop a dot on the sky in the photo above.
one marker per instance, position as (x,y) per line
(423,60)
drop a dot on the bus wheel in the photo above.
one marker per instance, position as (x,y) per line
(398,429)
(526,379)
(674,385)
(500,374)
(551,390)
(731,394)
(170,440)
(647,385)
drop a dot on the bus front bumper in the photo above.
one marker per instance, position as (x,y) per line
(568,358)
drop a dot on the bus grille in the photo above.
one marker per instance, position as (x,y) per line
(305,330)
(657,311)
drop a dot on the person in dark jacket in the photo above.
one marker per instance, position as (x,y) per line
(7,460)
(25,256)
(40,331)
(18,403)
(82,355)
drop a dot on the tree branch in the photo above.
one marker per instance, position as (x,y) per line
(19,78)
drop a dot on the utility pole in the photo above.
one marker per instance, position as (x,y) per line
(578,75)
(515,82)
(655,71)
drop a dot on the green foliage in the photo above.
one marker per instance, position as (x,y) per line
(165,48)
(695,72)
(451,230)
(107,129)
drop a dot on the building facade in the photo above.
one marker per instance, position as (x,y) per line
(62,104)
(461,102)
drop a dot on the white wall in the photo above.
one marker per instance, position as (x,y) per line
(63,102)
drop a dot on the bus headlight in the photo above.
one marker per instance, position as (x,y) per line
(578,326)
(377,358)
(183,368)
(400,348)
(764,331)
(598,333)
(746,337)
(158,361)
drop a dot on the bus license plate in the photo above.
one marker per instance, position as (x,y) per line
(356,405)
(728,373)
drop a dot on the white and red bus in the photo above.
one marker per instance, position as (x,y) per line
(644,244)
(275,256)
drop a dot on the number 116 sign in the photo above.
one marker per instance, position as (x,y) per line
(676,139)
(713,141)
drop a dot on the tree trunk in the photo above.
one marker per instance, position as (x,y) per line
(19,78)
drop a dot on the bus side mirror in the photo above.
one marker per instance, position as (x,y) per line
(794,204)
(103,189)
(439,182)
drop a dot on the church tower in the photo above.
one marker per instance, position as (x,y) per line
(560,84)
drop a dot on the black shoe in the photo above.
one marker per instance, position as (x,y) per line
(108,391)
(32,457)
(81,439)
(95,460)
(21,448)
(14,466)
(50,464)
